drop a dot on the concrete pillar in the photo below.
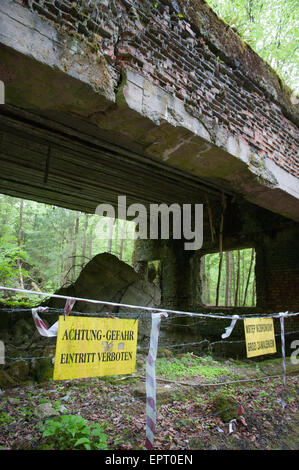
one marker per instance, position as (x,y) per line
(178,271)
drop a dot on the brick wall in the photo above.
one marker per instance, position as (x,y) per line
(277,272)
(152,38)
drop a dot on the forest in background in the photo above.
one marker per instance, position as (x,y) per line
(228,278)
(270,27)
(44,247)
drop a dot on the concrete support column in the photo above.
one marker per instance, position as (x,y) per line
(177,272)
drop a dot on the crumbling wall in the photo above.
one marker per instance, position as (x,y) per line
(104,278)
(185,49)
(277,271)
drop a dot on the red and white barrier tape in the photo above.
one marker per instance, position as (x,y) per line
(151,381)
(40,325)
(69,305)
(233,424)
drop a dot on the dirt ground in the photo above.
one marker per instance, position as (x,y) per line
(192,411)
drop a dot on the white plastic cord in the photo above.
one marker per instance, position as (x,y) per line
(139,307)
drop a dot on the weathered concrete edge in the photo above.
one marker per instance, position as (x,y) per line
(287,182)
(156,104)
(35,37)
(52,48)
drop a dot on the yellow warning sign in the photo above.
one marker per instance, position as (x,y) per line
(93,347)
(259,335)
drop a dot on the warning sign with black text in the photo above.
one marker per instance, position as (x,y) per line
(94,347)
(259,335)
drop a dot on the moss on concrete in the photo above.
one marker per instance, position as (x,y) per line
(43,370)
(6,381)
(226,407)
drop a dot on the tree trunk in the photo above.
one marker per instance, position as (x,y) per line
(227,277)
(219,278)
(62,261)
(233,283)
(74,252)
(90,239)
(253,301)
(110,236)
(203,279)
(248,277)
(231,267)
(237,293)
(83,260)
(19,261)
(212,229)
(220,248)
(242,275)
(122,228)
(207,275)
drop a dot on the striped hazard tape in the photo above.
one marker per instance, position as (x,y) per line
(70,302)
(40,325)
(151,380)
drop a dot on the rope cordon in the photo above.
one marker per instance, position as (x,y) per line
(154,336)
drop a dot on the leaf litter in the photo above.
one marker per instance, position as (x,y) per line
(186,415)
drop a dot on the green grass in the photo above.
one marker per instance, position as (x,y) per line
(23,302)
(190,366)
(5,419)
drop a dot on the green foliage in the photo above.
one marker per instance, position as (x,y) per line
(210,373)
(25,412)
(52,245)
(20,302)
(9,253)
(226,407)
(190,366)
(43,370)
(237,271)
(263,393)
(43,400)
(270,28)
(71,432)
(5,419)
